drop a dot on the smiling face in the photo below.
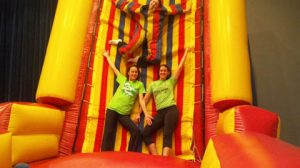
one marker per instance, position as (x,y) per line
(154,4)
(133,73)
(163,73)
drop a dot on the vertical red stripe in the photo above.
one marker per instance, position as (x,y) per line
(211,113)
(180,83)
(155,33)
(84,108)
(102,104)
(198,113)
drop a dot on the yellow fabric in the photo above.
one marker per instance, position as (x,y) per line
(96,92)
(210,158)
(26,119)
(230,67)
(36,132)
(278,127)
(27,148)
(226,123)
(5,150)
(59,79)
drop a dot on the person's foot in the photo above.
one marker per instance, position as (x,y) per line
(114,42)
(134,60)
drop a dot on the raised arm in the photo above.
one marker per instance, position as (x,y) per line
(112,65)
(181,64)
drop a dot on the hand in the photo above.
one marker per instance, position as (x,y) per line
(148,119)
(187,50)
(105,54)
(137,118)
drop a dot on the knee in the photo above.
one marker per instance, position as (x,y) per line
(135,131)
(146,134)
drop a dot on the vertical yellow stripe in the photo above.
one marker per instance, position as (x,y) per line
(189,89)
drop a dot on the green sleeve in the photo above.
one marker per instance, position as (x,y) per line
(121,78)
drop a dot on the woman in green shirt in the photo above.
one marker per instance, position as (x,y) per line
(120,107)
(167,112)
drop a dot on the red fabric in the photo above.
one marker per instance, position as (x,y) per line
(250,118)
(115,160)
(198,113)
(249,150)
(87,72)
(5,109)
(54,101)
(211,113)
(180,83)
(226,104)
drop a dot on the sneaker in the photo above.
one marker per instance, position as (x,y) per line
(114,42)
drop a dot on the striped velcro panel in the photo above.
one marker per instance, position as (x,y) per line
(178,33)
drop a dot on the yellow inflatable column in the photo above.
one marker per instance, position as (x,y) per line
(230,67)
(59,75)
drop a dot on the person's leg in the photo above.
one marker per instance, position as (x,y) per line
(135,133)
(135,42)
(170,124)
(152,149)
(109,136)
(157,123)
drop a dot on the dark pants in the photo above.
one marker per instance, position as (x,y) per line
(166,118)
(110,129)
(143,61)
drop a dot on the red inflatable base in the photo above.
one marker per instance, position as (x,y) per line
(114,160)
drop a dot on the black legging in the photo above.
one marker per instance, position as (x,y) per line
(166,118)
(110,129)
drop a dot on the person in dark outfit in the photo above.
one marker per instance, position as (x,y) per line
(162,91)
(120,107)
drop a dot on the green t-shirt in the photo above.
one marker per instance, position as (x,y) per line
(125,96)
(162,91)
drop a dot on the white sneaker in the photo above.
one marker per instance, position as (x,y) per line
(114,42)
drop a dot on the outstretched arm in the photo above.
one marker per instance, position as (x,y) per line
(106,55)
(181,64)
(148,117)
